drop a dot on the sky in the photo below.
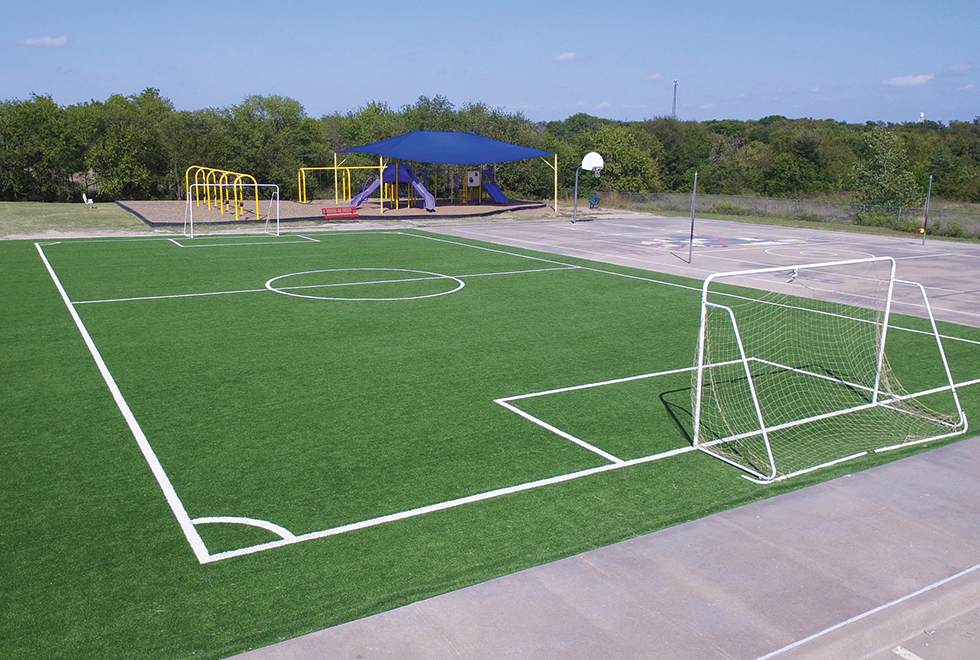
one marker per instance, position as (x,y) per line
(849,60)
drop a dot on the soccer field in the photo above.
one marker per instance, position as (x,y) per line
(222,442)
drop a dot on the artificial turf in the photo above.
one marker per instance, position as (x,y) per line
(315,413)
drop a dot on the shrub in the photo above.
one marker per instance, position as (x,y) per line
(727,208)
(875,220)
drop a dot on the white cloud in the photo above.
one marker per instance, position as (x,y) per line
(910,81)
(565,57)
(655,76)
(603,105)
(45,42)
(960,68)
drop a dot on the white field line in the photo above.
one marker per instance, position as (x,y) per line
(399,280)
(656,281)
(187,525)
(509,490)
(279,531)
(176,295)
(318,286)
(449,504)
(557,431)
(244,244)
(193,538)
(614,381)
(864,615)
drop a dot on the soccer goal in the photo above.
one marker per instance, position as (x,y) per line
(200,219)
(797,377)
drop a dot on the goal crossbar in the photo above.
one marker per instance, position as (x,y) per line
(736,419)
(270,221)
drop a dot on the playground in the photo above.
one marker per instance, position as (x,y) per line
(296,215)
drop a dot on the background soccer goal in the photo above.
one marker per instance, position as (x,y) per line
(200,220)
(797,377)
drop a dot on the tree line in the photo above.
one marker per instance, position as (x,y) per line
(139,146)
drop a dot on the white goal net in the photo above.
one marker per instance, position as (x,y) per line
(797,376)
(220,207)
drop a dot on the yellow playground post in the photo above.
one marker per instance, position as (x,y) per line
(342,186)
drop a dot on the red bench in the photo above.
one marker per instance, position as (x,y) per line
(339,212)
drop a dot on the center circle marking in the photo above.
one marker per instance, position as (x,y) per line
(426,276)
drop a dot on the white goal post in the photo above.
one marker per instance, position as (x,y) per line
(796,376)
(208,220)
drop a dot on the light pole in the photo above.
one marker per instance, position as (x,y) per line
(673,108)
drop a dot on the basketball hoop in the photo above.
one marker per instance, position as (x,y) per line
(592,161)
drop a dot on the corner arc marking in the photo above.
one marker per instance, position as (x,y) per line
(278,530)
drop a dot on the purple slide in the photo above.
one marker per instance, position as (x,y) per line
(495,193)
(403,174)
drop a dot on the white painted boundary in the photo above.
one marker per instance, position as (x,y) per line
(305,240)
(190,532)
(288,538)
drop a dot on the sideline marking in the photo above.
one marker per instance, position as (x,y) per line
(449,504)
(190,532)
(673,284)
(880,608)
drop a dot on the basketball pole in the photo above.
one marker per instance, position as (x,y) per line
(575,198)
(925,225)
(694,196)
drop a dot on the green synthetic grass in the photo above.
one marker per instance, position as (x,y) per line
(317,413)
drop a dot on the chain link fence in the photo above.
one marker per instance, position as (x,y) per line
(942,222)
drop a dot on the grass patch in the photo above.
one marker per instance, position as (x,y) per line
(40,218)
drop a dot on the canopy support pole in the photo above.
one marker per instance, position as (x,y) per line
(381,178)
(555,168)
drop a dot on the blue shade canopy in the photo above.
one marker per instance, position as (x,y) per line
(448,149)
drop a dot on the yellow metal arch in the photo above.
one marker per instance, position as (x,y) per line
(224,187)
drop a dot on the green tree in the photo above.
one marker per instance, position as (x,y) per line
(37,154)
(684,147)
(883,177)
(273,137)
(628,168)
(127,155)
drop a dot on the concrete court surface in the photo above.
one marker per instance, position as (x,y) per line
(879,565)
(949,271)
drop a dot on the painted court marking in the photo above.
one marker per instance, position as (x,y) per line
(285,536)
(864,615)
